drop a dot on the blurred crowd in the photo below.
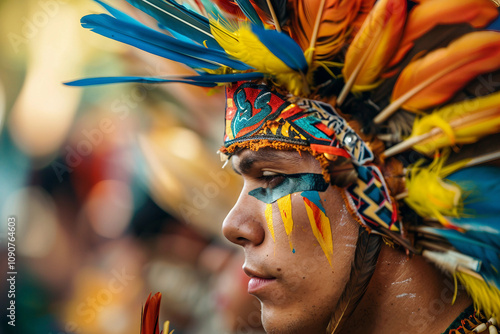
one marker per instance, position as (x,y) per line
(117,191)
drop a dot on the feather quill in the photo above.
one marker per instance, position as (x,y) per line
(373,46)
(476,246)
(339,20)
(363,267)
(435,78)
(460,123)
(429,14)
(486,296)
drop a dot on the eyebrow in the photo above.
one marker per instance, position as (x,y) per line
(247,162)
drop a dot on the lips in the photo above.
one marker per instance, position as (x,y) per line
(258,281)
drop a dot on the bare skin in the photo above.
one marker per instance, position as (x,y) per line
(299,291)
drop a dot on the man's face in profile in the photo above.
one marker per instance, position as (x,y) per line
(290,275)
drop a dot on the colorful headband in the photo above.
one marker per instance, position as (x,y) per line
(404,81)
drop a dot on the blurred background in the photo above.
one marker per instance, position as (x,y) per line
(117,191)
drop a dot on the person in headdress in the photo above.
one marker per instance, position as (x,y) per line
(367,138)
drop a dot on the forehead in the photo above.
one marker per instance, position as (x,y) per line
(247,159)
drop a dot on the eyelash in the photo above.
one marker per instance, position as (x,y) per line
(273,180)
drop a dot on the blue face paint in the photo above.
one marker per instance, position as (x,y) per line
(291,184)
(313,196)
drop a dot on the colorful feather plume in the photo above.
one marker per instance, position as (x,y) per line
(439,75)
(477,237)
(373,46)
(482,282)
(460,123)
(429,14)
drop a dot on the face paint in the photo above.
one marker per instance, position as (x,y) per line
(305,183)
(285,207)
(269,219)
(292,183)
(320,223)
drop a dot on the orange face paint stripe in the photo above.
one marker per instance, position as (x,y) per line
(320,225)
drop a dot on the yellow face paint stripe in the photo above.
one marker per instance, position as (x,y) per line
(285,207)
(269,219)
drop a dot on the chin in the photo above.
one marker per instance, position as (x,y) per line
(290,321)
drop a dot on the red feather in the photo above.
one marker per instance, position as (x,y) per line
(151,314)
(230,7)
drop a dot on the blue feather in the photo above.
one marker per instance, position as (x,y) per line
(481,186)
(117,13)
(175,34)
(250,12)
(283,47)
(203,80)
(149,80)
(479,223)
(159,44)
(178,18)
(495,25)
(478,245)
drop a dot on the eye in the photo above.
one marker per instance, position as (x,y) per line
(272,179)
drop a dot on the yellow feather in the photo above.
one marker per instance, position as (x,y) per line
(241,43)
(460,123)
(430,196)
(486,297)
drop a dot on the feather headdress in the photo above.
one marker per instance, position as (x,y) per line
(385,68)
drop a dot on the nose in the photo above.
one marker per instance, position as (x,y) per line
(244,223)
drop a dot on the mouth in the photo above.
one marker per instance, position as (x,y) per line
(258,281)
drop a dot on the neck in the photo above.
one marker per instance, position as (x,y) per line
(406,296)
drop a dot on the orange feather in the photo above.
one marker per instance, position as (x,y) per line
(442,73)
(429,14)
(374,45)
(339,19)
